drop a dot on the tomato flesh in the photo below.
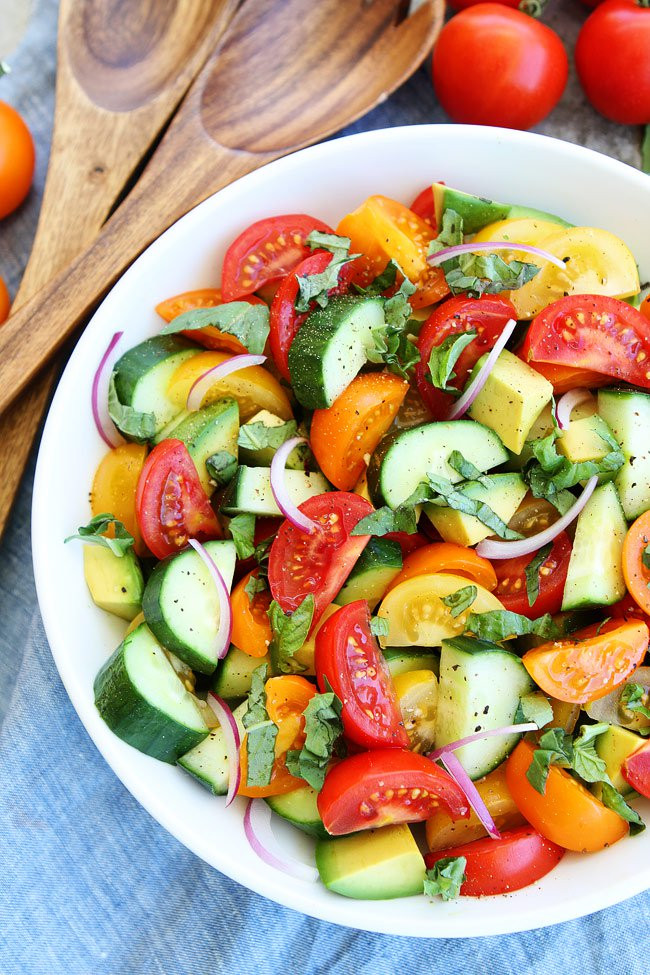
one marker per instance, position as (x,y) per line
(5,301)
(592,332)
(511,581)
(265,252)
(637,576)
(425,207)
(636,770)
(487,316)
(384,786)
(251,629)
(447,557)
(349,660)
(171,505)
(519,858)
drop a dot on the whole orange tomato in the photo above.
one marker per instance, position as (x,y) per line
(5,301)
(16,159)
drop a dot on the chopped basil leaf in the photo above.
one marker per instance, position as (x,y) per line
(382,282)
(261,732)
(242,529)
(645,557)
(248,323)
(257,436)
(385,520)
(254,586)
(457,602)
(261,556)
(256,710)
(444,357)
(445,878)
(533,570)
(466,469)
(289,632)
(476,274)
(601,624)
(586,761)
(613,799)
(551,472)
(395,349)
(500,624)
(221,467)
(633,697)
(323,728)
(534,707)
(450,233)
(133,424)
(93,534)
(315,288)
(336,245)
(556,747)
(379,626)
(443,492)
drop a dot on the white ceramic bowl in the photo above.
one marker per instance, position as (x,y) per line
(327,181)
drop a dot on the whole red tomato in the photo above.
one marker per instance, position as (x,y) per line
(463,4)
(5,301)
(613,60)
(496,66)
(16,159)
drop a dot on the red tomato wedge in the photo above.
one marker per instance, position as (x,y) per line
(511,581)
(486,316)
(521,857)
(209,337)
(171,505)
(636,770)
(592,332)
(348,658)
(563,378)
(384,786)
(424,206)
(319,563)
(265,252)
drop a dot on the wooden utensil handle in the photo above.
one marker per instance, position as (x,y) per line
(29,338)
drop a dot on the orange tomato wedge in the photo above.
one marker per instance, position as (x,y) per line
(447,557)
(635,573)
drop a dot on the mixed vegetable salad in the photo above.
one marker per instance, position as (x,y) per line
(377,511)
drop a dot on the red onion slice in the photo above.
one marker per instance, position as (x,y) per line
(567,403)
(224,629)
(212,376)
(257,828)
(472,794)
(232,742)
(493,245)
(99,395)
(511,729)
(490,549)
(462,404)
(281,492)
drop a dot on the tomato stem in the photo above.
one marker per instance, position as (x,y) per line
(535,8)
(645,148)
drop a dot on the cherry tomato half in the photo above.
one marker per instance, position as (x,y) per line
(251,628)
(265,252)
(628,609)
(521,857)
(210,337)
(511,586)
(486,316)
(592,332)
(425,207)
(636,770)
(497,66)
(171,505)
(16,159)
(447,557)
(384,786)
(590,663)
(637,576)
(348,658)
(115,486)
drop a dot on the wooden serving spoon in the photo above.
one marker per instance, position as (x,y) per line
(286,74)
(123,67)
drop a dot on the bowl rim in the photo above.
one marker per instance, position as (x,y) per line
(264,881)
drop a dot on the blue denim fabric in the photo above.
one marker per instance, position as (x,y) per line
(89,883)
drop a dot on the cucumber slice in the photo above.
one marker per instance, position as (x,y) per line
(375,569)
(208,761)
(402,660)
(250,491)
(143,373)
(181,606)
(141,698)
(235,672)
(262,456)
(425,450)
(331,347)
(209,431)
(627,412)
(299,807)
(478,689)
(595,576)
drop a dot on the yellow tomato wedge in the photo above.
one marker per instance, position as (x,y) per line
(521,230)
(254,388)
(115,484)
(417,615)
(417,692)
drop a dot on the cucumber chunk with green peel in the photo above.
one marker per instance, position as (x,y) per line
(402,660)
(114,582)
(181,603)
(209,431)
(595,576)
(479,689)
(299,808)
(627,413)
(235,673)
(208,761)
(426,450)
(143,701)
(142,376)
(377,566)
(250,491)
(503,493)
(375,864)
(478,211)
(331,347)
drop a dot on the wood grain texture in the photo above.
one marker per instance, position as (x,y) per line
(123,67)
(226,127)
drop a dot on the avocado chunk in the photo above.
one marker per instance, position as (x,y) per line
(511,399)
(402,660)
(503,495)
(210,431)
(115,582)
(375,864)
(256,454)
(377,566)
(614,746)
(585,440)
(478,211)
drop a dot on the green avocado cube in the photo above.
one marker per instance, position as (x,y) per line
(115,582)
(583,439)
(374,864)
(614,746)
(503,495)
